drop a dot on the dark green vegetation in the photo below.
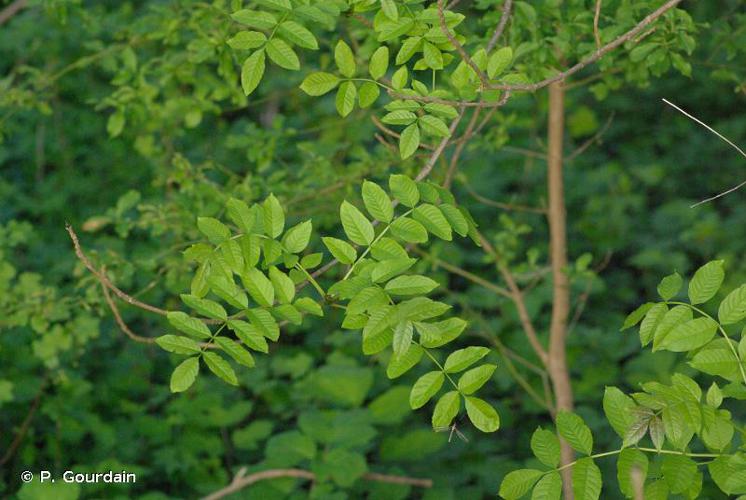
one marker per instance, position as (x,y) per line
(130,121)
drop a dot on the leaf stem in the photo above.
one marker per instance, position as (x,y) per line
(375,240)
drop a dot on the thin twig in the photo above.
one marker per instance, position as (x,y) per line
(427,168)
(241,480)
(497,204)
(459,148)
(11,10)
(118,317)
(464,274)
(16,443)
(596,17)
(460,48)
(500,26)
(719,135)
(596,138)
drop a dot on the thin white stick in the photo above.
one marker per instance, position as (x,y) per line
(719,135)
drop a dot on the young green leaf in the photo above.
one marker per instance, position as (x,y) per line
(403,332)
(178,344)
(227,290)
(259,287)
(433,220)
(255,19)
(670,286)
(377,202)
(235,351)
(341,250)
(499,61)
(434,126)
(309,306)
(455,219)
(678,472)
(345,100)
(630,460)
(297,237)
(433,56)
(274,216)
(464,358)
(733,307)
(356,226)
(546,447)
(619,408)
(297,34)
(252,71)
(446,409)
(706,282)
(409,230)
(586,480)
(425,388)
(388,249)
(240,214)
(216,231)
(379,63)
(436,334)
(206,307)
(399,78)
(410,285)
(389,9)
(246,40)
(472,380)
(409,141)
(404,189)
(384,271)
(482,414)
(367,299)
(519,482)
(283,285)
(319,83)
(649,324)
(282,54)
(345,59)
(576,433)
(399,365)
(549,487)
(249,335)
(368,94)
(636,316)
(220,367)
(408,48)
(186,324)
(184,375)
(688,336)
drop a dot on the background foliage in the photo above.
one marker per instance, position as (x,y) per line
(128,120)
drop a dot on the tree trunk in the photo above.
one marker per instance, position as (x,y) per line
(558,257)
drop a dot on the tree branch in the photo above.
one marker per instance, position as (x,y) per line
(241,480)
(16,443)
(460,48)
(11,10)
(500,26)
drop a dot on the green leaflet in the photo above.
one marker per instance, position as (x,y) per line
(689,336)
(576,433)
(388,249)
(628,460)
(650,322)
(282,54)
(356,226)
(499,61)
(235,351)
(455,219)
(249,335)
(482,414)
(283,285)
(463,358)
(368,94)
(297,237)
(379,63)
(586,480)
(344,59)
(341,250)
(475,378)
(252,71)
(399,365)
(409,230)
(298,34)
(670,286)
(549,487)
(178,344)
(205,307)
(519,482)
(263,321)
(220,367)
(439,333)
(345,100)
(403,333)
(618,408)
(410,285)
(384,271)
(404,189)
(425,388)
(409,141)
(186,324)
(733,307)
(546,447)
(377,202)
(259,287)
(319,83)
(366,300)
(678,472)
(241,215)
(706,282)
(245,40)
(184,375)
(216,231)
(446,409)
(274,217)
(433,220)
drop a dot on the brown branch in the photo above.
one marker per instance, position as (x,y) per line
(105,281)
(598,54)
(460,48)
(500,26)
(464,274)
(241,480)
(596,138)
(427,168)
(21,434)
(498,204)
(459,148)
(596,16)
(11,10)
(118,317)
